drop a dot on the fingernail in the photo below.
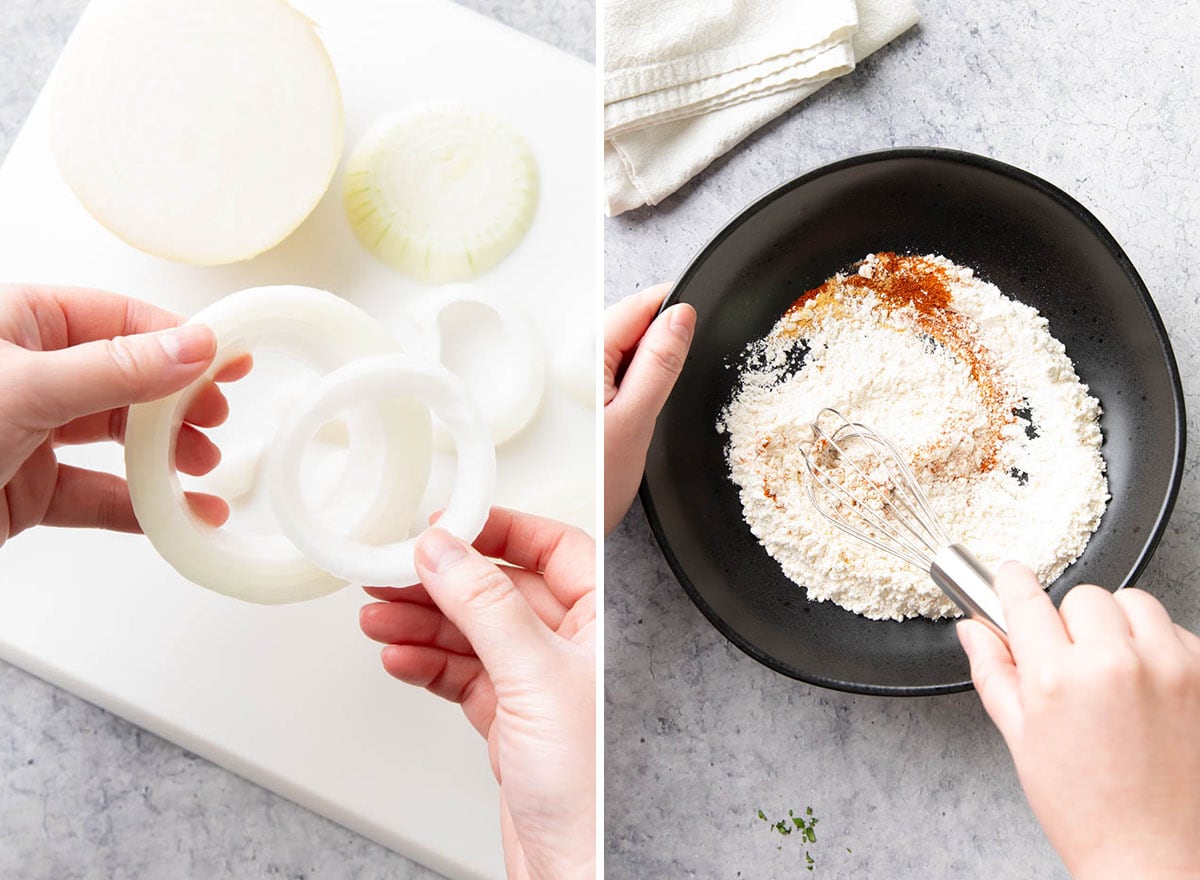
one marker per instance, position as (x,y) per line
(189,344)
(1015,579)
(965,637)
(681,320)
(438,549)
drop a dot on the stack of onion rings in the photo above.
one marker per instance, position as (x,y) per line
(392,438)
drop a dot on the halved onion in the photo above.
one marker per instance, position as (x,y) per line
(377,380)
(202,131)
(510,391)
(325,332)
(441,191)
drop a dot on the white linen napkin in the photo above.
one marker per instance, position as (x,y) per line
(685,82)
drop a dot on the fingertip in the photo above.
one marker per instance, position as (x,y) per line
(681,320)
(1016,579)
(372,621)
(682,312)
(367,613)
(656,364)
(978,641)
(195,454)
(217,512)
(210,508)
(411,664)
(993,672)
(208,409)
(966,638)
(391,657)
(437,551)
(1014,568)
(657,293)
(238,368)
(626,321)
(384,594)
(414,593)
(190,345)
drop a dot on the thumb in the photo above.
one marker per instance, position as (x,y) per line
(994,674)
(109,373)
(656,364)
(477,597)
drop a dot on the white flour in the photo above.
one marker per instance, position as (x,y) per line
(974,391)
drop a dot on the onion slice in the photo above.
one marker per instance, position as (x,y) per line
(574,367)
(573,503)
(236,475)
(202,131)
(514,390)
(441,191)
(378,379)
(326,332)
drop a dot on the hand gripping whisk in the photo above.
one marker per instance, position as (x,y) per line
(859,482)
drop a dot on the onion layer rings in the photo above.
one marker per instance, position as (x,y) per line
(326,332)
(377,380)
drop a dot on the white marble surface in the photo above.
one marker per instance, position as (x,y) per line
(84,794)
(1097,97)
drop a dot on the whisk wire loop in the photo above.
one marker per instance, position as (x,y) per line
(908,489)
(904,517)
(904,550)
(908,550)
(897,516)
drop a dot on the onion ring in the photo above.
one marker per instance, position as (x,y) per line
(573,503)
(509,409)
(574,366)
(377,379)
(326,332)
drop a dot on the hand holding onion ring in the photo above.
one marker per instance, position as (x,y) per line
(514,645)
(73,360)
(371,387)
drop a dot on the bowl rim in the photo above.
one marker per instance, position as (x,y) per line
(1076,208)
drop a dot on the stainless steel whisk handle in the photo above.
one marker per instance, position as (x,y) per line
(964,579)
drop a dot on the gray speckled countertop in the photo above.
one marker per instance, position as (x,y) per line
(85,794)
(1098,98)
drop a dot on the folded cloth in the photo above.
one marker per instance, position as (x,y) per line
(686,124)
(679,58)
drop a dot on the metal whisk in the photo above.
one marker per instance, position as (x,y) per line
(887,509)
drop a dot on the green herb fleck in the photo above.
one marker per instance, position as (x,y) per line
(804,827)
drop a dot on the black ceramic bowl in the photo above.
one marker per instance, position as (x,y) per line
(1039,246)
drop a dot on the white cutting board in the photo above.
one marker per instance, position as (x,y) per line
(293,697)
